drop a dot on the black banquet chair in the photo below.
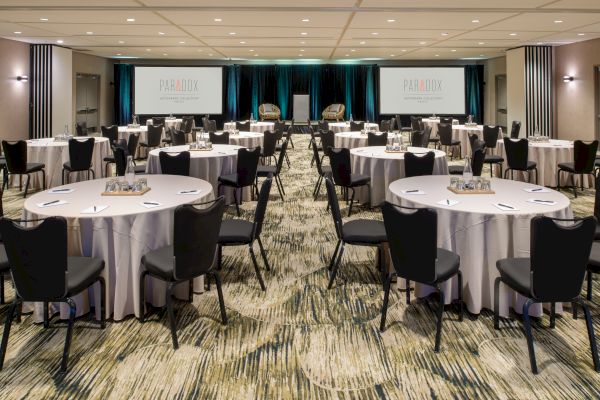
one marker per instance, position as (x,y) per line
(515,129)
(416,257)
(80,158)
(418,165)
(356,126)
(445,134)
(219,138)
(153,137)
(517,158)
(377,139)
(264,171)
(110,132)
(172,163)
(552,275)
(322,170)
(16,163)
(358,232)
(490,137)
(583,163)
(178,138)
(195,236)
(477,161)
(268,148)
(245,175)
(243,126)
(239,232)
(4,268)
(341,171)
(42,272)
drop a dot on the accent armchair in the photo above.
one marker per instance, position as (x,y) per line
(268,111)
(334,112)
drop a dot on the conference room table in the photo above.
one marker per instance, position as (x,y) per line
(433,123)
(547,155)
(207,165)
(336,127)
(54,154)
(120,234)
(258,126)
(350,140)
(385,168)
(249,140)
(481,232)
(462,132)
(169,122)
(142,130)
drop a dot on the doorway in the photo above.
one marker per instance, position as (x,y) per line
(87,102)
(501,108)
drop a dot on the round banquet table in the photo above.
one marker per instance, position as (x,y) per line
(169,122)
(120,235)
(336,127)
(350,140)
(433,123)
(384,168)
(124,132)
(258,126)
(55,154)
(206,165)
(480,233)
(547,156)
(461,133)
(249,140)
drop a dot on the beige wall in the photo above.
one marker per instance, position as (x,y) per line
(515,87)
(575,101)
(88,64)
(14,101)
(492,68)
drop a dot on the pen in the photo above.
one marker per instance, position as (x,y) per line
(412,191)
(150,203)
(543,201)
(60,190)
(94,208)
(504,205)
(448,201)
(536,190)
(50,202)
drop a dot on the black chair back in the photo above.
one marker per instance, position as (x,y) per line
(327,141)
(413,250)
(16,156)
(384,126)
(269,144)
(477,160)
(178,137)
(243,126)
(247,163)
(426,136)
(279,129)
(172,163)
(37,257)
(357,126)
(398,122)
(210,125)
(445,134)
(120,154)
(416,138)
(281,158)
(597,198)
(261,206)
(416,124)
(415,165)
(81,128)
(219,138)
(187,124)
(515,129)
(446,120)
(195,237)
(110,132)
(490,136)
(80,154)
(341,169)
(375,139)
(475,142)
(517,153)
(334,206)
(158,121)
(559,257)
(132,144)
(317,157)
(323,125)
(585,156)
(154,135)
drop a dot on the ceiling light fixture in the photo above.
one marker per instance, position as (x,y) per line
(391,20)
(182,42)
(306,20)
(453,50)
(302,42)
(121,42)
(218,20)
(512,34)
(251,50)
(392,55)
(374,33)
(352,49)
(89,33)
(60,41)
(558,21)
(304,33)
(347,55)
(481,43)
(422,43)
(161,33)
(363,42)
(444,33)
(242,42)
(301,50)
(44,19)
(232,33)
(475,21)
(579,34)
(403,50)
(568,78)
(165,54)
(130,19)
(256,55)
(148,49)
(437,55)
(17,32)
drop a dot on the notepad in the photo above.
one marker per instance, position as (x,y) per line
(93,209)
(189,191)
(51,203)
(448,202)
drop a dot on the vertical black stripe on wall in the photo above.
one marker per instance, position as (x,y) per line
(40,91)
(538,86)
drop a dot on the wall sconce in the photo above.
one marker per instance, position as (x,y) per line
(22,78)
(567,78)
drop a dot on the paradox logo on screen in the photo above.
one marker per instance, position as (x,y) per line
(423,85)
(179,85)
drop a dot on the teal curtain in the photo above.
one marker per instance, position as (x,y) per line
(123,93)
(349,72)
(233,91)
(314,90)
(370,93)
(283,76)
(474,91)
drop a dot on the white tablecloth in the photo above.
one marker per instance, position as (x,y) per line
(480,233)
(120,235)
(169,123)
(55,154)
(249,140)
(350,140)
(547,156)
(384,168)
(206,165)
(124,132)
(259,126)
(461,132)
(433,123)
(336,127)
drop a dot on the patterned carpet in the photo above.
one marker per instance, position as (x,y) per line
(299,340)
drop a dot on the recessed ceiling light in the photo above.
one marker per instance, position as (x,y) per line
(403,50)
(161,33)
(218,20)
(437,55)
(558,21)
(121,42)
(363,42)
(306,20)
(89,33)
(251,50)
(256,55)
(422,43)
(232,33)
(200,50)
(43,19)
(165,54)
(352,49)
(301,50)
(60,41)
(453,50)
(302,42)
(182,42)
(17,32)
(392,55)
(513,34)
(482,55)
(480,43)
(346,55)
(444,33)
(475,21)
(539,43)
(242,42)
(211,54)
(391,20)
(304,33)
(579,34)
(148,49)
(375,33)
(299,55)
(130,19)
(118,54)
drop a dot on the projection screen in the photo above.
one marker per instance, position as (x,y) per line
(178,90)
(422,90)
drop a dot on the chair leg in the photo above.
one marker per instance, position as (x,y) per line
(237,207)
(43,179)
(171,313)
(263,253)
(589,286)
(351,202)
(69,338)
(2,299)
(255,264)
(220,295)
(5,334)
(438,334)
(592,337)
(530,348)
(317,187)
(336,266)
(460,299)
(334,256)
(497,303)
(191,291)
(281,184)
(552,315)
(386,299)
(142,296)
(574,187)
(26,186)
(279,188)
(103,297)
(46,318)
(219,257)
